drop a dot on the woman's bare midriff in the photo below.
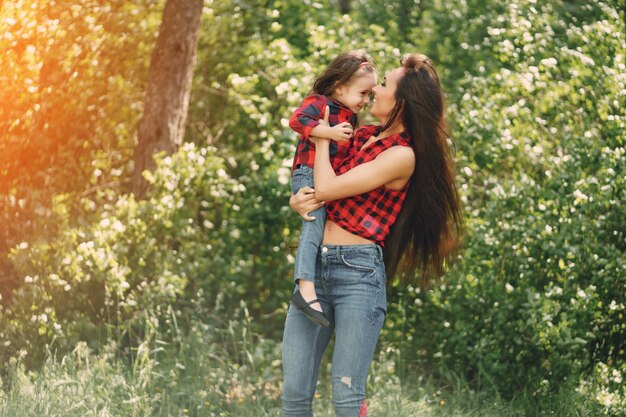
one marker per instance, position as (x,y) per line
(335,235)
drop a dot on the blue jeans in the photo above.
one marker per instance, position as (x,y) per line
(312,231)
(350,284)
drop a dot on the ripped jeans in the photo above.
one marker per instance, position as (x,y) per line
(350,284)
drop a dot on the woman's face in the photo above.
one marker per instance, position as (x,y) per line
(384,95)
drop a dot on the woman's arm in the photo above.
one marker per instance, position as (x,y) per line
(396,163)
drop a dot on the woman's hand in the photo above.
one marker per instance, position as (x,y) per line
(317,139)
(304,202)
(339,133)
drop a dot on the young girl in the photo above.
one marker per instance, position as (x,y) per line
(345,88)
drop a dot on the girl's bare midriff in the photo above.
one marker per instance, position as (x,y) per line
(335,235)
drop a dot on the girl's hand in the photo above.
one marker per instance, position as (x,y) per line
(341,132)
(303,202)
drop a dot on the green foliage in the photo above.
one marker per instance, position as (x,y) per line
(532,312)
(73,79)
(136,256)
(538,296)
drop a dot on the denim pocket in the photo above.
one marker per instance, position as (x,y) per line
(361,262)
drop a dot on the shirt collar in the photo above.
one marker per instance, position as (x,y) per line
(338,104)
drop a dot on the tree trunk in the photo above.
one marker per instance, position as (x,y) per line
(344,6)
(169,85)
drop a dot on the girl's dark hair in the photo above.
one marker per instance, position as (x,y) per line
(341,70)
(427,232)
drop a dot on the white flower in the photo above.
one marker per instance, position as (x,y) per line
(283,175)
(549,62)
(509,288)
(617,376)
(118,226)
(236,80)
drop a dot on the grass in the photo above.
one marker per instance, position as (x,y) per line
(210,371)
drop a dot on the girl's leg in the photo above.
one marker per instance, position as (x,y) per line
(310,239)
(308,247)
(303,346)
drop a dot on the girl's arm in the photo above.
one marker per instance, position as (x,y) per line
(306,121)
(396,163)
(307,116)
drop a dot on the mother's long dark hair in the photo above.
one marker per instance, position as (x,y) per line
(427,231)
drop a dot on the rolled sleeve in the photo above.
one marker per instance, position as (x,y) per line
(307,116)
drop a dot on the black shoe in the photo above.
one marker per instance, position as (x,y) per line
(315,316)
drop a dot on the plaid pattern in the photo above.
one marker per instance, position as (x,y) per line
(369,215)
(307,116)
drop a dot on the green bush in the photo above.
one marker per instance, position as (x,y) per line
(538,295)
(536,302)
(95,281)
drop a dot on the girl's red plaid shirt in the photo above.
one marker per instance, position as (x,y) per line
(307,116)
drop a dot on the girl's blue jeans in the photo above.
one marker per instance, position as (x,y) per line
(312,231)
(350,284)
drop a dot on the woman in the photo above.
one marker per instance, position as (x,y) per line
(396,191)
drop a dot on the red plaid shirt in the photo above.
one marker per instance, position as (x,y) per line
(307,116)
(369,215)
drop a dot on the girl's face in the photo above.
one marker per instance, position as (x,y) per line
(385,95)
(356,94)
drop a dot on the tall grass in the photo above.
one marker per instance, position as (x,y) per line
(216,366)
